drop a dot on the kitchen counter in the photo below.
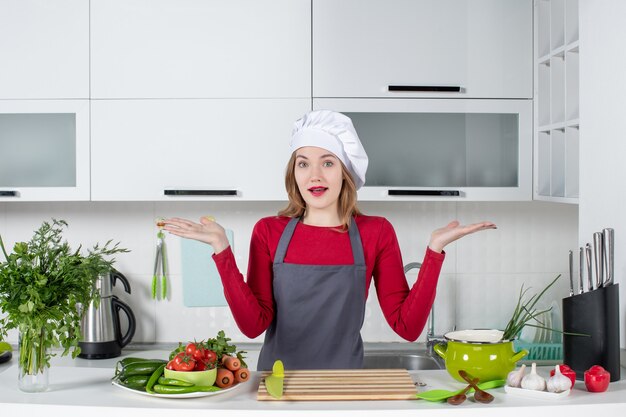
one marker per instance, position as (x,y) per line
(84,387)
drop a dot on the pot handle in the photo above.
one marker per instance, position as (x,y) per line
(519,355)
(119,305)
(441,349)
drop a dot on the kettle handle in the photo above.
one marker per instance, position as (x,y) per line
(119,305)
(115,275)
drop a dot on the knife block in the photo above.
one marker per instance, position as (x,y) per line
(594,313)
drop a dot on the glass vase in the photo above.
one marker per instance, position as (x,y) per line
(33,360)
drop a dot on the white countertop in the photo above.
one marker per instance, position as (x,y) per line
(84,386)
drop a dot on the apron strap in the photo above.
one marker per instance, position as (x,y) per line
(353,231)
(285,238)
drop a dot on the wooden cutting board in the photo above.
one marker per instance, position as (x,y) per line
(343,385)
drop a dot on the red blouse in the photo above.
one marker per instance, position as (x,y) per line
(252,302)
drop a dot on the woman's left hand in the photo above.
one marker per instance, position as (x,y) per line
(454,231)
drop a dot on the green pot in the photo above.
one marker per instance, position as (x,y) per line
(486,360)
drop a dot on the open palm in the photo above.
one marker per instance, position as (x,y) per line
(441,237)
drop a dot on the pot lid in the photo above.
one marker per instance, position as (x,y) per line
(476,336)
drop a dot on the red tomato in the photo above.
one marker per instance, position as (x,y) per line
(597,379)
(568,372)
(210,356)
(184,362)
(200,353)
(170,365)
(190,349)
(200,366)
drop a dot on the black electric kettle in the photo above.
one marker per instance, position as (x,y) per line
(101,333)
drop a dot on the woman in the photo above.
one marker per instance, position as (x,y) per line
(310,267)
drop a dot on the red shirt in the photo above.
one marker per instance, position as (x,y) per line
(252,302)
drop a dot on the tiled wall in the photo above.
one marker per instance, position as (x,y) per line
(479,285)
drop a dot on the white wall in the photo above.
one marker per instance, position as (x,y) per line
(481,276)
(602,200)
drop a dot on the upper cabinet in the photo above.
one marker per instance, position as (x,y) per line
(453,150)
(200,49)
(423,48)
(557,125)
(44,49)
(45,150)
(182,150)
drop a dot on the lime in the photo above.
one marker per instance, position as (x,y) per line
(4,347)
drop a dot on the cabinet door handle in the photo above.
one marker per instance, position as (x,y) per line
(8,193)
(180,193)
(440,193)
(427,88)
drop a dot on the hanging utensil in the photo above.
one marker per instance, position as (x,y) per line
(599,258)
(159,276)
(608,237)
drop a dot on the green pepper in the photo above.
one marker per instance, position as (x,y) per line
(171,389)
(140,368)
(136,382)
(176,382)
(154,378)
(176,351)
(126,361)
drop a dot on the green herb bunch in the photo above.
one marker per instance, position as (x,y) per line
(525,311)
(43,283)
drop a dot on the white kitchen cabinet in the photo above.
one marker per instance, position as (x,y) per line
(434,150)
(44,49)
(45,150)
(556,109)
(200,48)
(365,48)
(187,150)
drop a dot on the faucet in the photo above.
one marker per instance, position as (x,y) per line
(431,339)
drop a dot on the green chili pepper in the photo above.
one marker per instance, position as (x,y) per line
(137,382)
(154,378)
(171,389)
(140,368)
(176,382)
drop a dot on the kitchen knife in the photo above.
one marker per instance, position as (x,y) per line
(589,267)
(599,258)
(571,273)
(274,382)
(608,238)
(581,270)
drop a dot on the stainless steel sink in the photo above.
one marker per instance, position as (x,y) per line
(399,360)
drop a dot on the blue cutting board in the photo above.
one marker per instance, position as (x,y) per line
(202,285)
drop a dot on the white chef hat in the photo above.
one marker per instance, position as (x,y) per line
(332,131)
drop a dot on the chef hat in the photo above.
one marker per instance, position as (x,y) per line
(332,131)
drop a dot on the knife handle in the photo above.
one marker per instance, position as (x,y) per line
(589,267)
(571,273)
(581,270)
(608,237)
(599,258)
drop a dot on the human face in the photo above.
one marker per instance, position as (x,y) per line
(319,177)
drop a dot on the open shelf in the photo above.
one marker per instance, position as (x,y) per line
(557,100)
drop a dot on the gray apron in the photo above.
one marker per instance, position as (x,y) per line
(319,311)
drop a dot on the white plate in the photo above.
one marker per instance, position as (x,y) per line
(541,395)
(188,395)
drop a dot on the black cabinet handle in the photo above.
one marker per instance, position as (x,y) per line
(5,193)
(440,193)
(180,193)
(426,88)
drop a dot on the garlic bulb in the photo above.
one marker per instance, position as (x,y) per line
(558,382)
(514,378)
(533,380)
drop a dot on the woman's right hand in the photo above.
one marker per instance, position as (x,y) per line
(207,231)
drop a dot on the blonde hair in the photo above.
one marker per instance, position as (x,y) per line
(347,205)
